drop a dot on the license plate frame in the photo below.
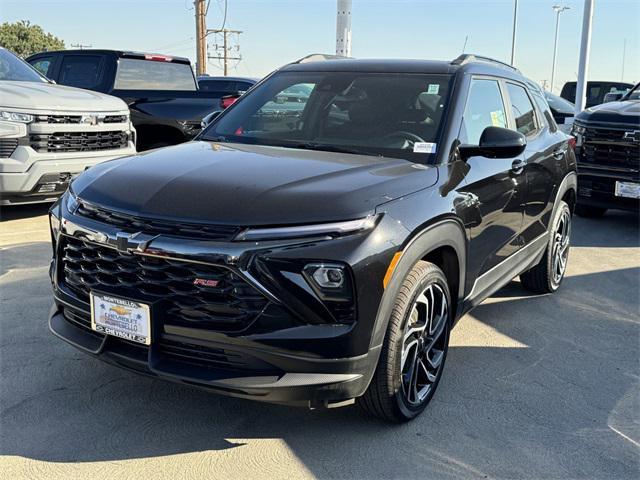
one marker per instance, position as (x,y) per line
(120,317)
(627,189)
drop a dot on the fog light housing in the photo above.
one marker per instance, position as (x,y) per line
(328,276)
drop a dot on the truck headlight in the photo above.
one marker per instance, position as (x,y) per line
(16,117)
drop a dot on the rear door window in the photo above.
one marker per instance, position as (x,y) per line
(485,108)
(523,110)
(82,71)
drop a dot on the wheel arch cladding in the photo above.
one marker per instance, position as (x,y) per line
(442,243)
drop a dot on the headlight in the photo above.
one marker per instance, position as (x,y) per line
(334,229)
(16,117)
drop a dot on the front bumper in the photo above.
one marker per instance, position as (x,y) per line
(239,369)
(596,187)
(294,352)
(23,174)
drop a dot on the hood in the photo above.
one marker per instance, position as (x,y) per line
(249,185)
(47,96)
(625,112)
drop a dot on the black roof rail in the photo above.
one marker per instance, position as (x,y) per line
(320,57)
(472,57)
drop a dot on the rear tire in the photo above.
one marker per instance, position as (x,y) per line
(587,211)
(414,349)
(547,275)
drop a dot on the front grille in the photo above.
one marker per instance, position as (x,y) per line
(79,141)
(157,227)
(76,119)
(7,146)
(608,147)
(232,305)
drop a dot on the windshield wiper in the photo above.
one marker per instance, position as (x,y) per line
(330,148)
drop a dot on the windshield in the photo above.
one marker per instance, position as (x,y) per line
(559,104)
(385,114)
(16,70)
(136,74)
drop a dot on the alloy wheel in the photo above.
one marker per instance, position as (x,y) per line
(560,252)
(424,344)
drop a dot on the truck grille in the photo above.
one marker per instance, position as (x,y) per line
(79,141)
(77,119)
(608,147)
(156,227)
(231,305)
(7,146)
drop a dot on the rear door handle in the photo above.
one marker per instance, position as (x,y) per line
(518,165)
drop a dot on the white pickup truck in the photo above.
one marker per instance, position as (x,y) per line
(49,133)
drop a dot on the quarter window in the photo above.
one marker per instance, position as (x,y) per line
(522,108)
(42,65)
(484,108)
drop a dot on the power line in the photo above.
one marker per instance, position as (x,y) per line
(223,51)
(81,46)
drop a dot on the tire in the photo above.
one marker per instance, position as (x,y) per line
(547,275)
(416,334)
(587,211)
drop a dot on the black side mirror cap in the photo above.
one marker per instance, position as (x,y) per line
(209,118)
(495,142)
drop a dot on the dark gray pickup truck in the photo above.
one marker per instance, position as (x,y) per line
(161,91)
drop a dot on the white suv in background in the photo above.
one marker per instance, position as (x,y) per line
(49,133)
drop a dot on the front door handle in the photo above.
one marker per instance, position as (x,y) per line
(559,154)
(518,165)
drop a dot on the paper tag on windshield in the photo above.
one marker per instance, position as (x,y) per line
(424,147)
(433,89)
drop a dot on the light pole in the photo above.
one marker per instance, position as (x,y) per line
(558,9)
(513,36)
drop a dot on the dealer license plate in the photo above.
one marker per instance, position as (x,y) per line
(121,318)
(628,189)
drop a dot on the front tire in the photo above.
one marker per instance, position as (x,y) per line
(414,349)
(547,275)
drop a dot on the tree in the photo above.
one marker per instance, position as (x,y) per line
(25,39)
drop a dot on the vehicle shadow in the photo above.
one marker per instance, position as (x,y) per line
(540,399)
(615,229)
(15,212)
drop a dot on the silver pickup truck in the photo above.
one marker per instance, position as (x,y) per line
(49,133)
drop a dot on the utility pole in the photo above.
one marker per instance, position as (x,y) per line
(81,46)
(558,9)
(343,28)
(201,34)
(226,49)
(513,36)
(585,50)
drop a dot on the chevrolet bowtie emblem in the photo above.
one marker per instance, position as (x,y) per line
(132,242)
(634,135)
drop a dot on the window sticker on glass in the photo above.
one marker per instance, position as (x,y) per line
(433,89)
(497,119)
(424,147)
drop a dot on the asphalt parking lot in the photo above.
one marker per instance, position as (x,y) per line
(534,387)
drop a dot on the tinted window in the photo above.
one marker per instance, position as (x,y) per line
(14,69)
(244,86)
(559,104)
(82,71)
(384,114)
(522,109)
(42,65)
(543,105)
(484,108)
(222,86)
(136,74)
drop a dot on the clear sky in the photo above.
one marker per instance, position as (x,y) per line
(279,31)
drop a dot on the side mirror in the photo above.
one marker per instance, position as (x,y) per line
(495,142)
(613,97)
(209,118)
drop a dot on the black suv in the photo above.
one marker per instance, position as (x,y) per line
(319,252)
(608,154)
